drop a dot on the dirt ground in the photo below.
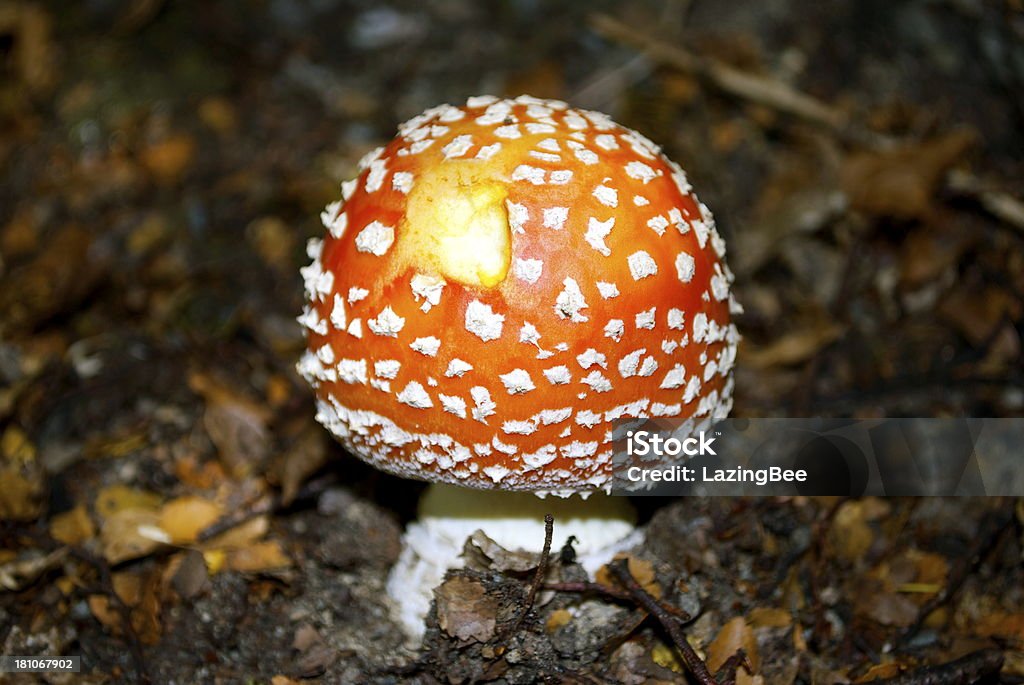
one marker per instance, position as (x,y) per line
(163,165)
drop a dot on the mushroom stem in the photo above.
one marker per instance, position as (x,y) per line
(432,544)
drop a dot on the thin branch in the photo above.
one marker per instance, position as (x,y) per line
(693,662)
(538,577)
(764,91)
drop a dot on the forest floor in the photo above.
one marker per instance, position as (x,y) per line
(163,166)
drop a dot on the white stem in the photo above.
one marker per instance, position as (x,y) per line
(602,526)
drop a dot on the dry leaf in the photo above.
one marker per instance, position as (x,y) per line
(262,556)
(130,534)
(1001,624)
(557,619)
(769,617)
(184,518)
(488,554)
(465,611)
(641,570)
(880,672)
(850,536)
(303,458)
(72,527)
(734,635)
(236,425)
(22,492)
(169,159)
(900,183)
(116,498)
(888,608)
(666,657)
(793,347)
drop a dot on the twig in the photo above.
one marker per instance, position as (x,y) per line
(538,577)
(612,593)
(694,663)
(963,671)
(124,611)
(784,98)
(757,89)
(990,528)
(1002,206)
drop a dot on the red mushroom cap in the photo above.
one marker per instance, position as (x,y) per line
(504,280)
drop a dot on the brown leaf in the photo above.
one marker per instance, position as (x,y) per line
(1002,624)
(880,672)
(901,183)
(300,461)
(734,635)
(641,570)
(184,518)
(793,347)
(21,496)
(465,611)
(130,534)
(850,536)
(262,556)
(888,608)
(169,159)
(115,498)
(769,617)
(235,424)
(488,554)
(72,527)
(976,315)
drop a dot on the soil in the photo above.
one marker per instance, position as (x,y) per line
(164,164)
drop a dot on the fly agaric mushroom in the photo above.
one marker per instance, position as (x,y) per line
(497,286)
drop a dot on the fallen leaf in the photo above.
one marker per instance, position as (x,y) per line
(300,461)
(488,554)
(72,527)
(793,347)
(184,518)
(116,498)
(734,635)
(16,447)
(557,619)
(901,183)
(1001,624)
(262,556)
(850,535)
(641,570)
(888,608)
(168,159)
(235,424)
(464,610)
(129,534)
(769,617)
(21,497)
(880,672)
(666,657)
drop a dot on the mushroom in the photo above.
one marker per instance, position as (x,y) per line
(497,286)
